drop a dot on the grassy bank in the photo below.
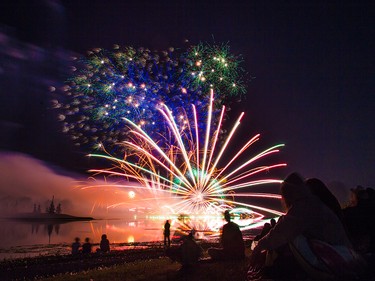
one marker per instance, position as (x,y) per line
(160,270)
(132,264)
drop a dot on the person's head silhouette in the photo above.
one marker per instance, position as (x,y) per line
(227,216)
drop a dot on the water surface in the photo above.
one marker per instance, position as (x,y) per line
(24,238)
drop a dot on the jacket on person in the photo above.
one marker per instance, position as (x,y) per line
(307,216)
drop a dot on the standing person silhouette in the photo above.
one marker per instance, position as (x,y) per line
(167,233)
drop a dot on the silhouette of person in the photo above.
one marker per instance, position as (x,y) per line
(167,233)
(104,244)
(266,228)
(87,246)
(320,190)
(306,217)
(75,246)
(273,222)
(233,246)
(188,253)
(371,197)
(359,219)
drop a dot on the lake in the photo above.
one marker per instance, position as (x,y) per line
(32,238)
(24,239)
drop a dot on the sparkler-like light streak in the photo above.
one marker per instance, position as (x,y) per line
(186,170)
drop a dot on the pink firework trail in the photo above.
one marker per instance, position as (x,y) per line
(187,176)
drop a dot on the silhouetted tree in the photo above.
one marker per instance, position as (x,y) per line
(52,209)
(58,209)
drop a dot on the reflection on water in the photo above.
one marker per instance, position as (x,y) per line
(19,233)
(21,238)
(30,238)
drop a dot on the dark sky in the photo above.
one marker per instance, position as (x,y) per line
(313,61)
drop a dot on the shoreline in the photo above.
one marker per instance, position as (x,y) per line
(44,266)
(63,249)
(115,265)
(45,217)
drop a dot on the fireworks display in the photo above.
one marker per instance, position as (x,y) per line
(190,175)
(109,86)
(157,111)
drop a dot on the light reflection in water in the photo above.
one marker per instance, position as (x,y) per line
(22,233)
(131,239)
(20,238)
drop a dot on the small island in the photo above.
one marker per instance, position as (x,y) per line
(52,214)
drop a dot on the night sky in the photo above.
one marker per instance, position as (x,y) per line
(313,63)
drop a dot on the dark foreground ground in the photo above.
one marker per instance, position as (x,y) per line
(149,263)
(37,267)
(44,266)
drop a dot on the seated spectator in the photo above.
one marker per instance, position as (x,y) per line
(75,246)
(104,244)
(320,190)
(309,228)
(371,194)
(266,228)
(86,247)
(188,253)
(273,222)
(359,219)
(233,246)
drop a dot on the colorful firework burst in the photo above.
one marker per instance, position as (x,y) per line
(110,86)
(190,176)
(215,67)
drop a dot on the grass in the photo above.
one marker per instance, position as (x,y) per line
(162,269)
